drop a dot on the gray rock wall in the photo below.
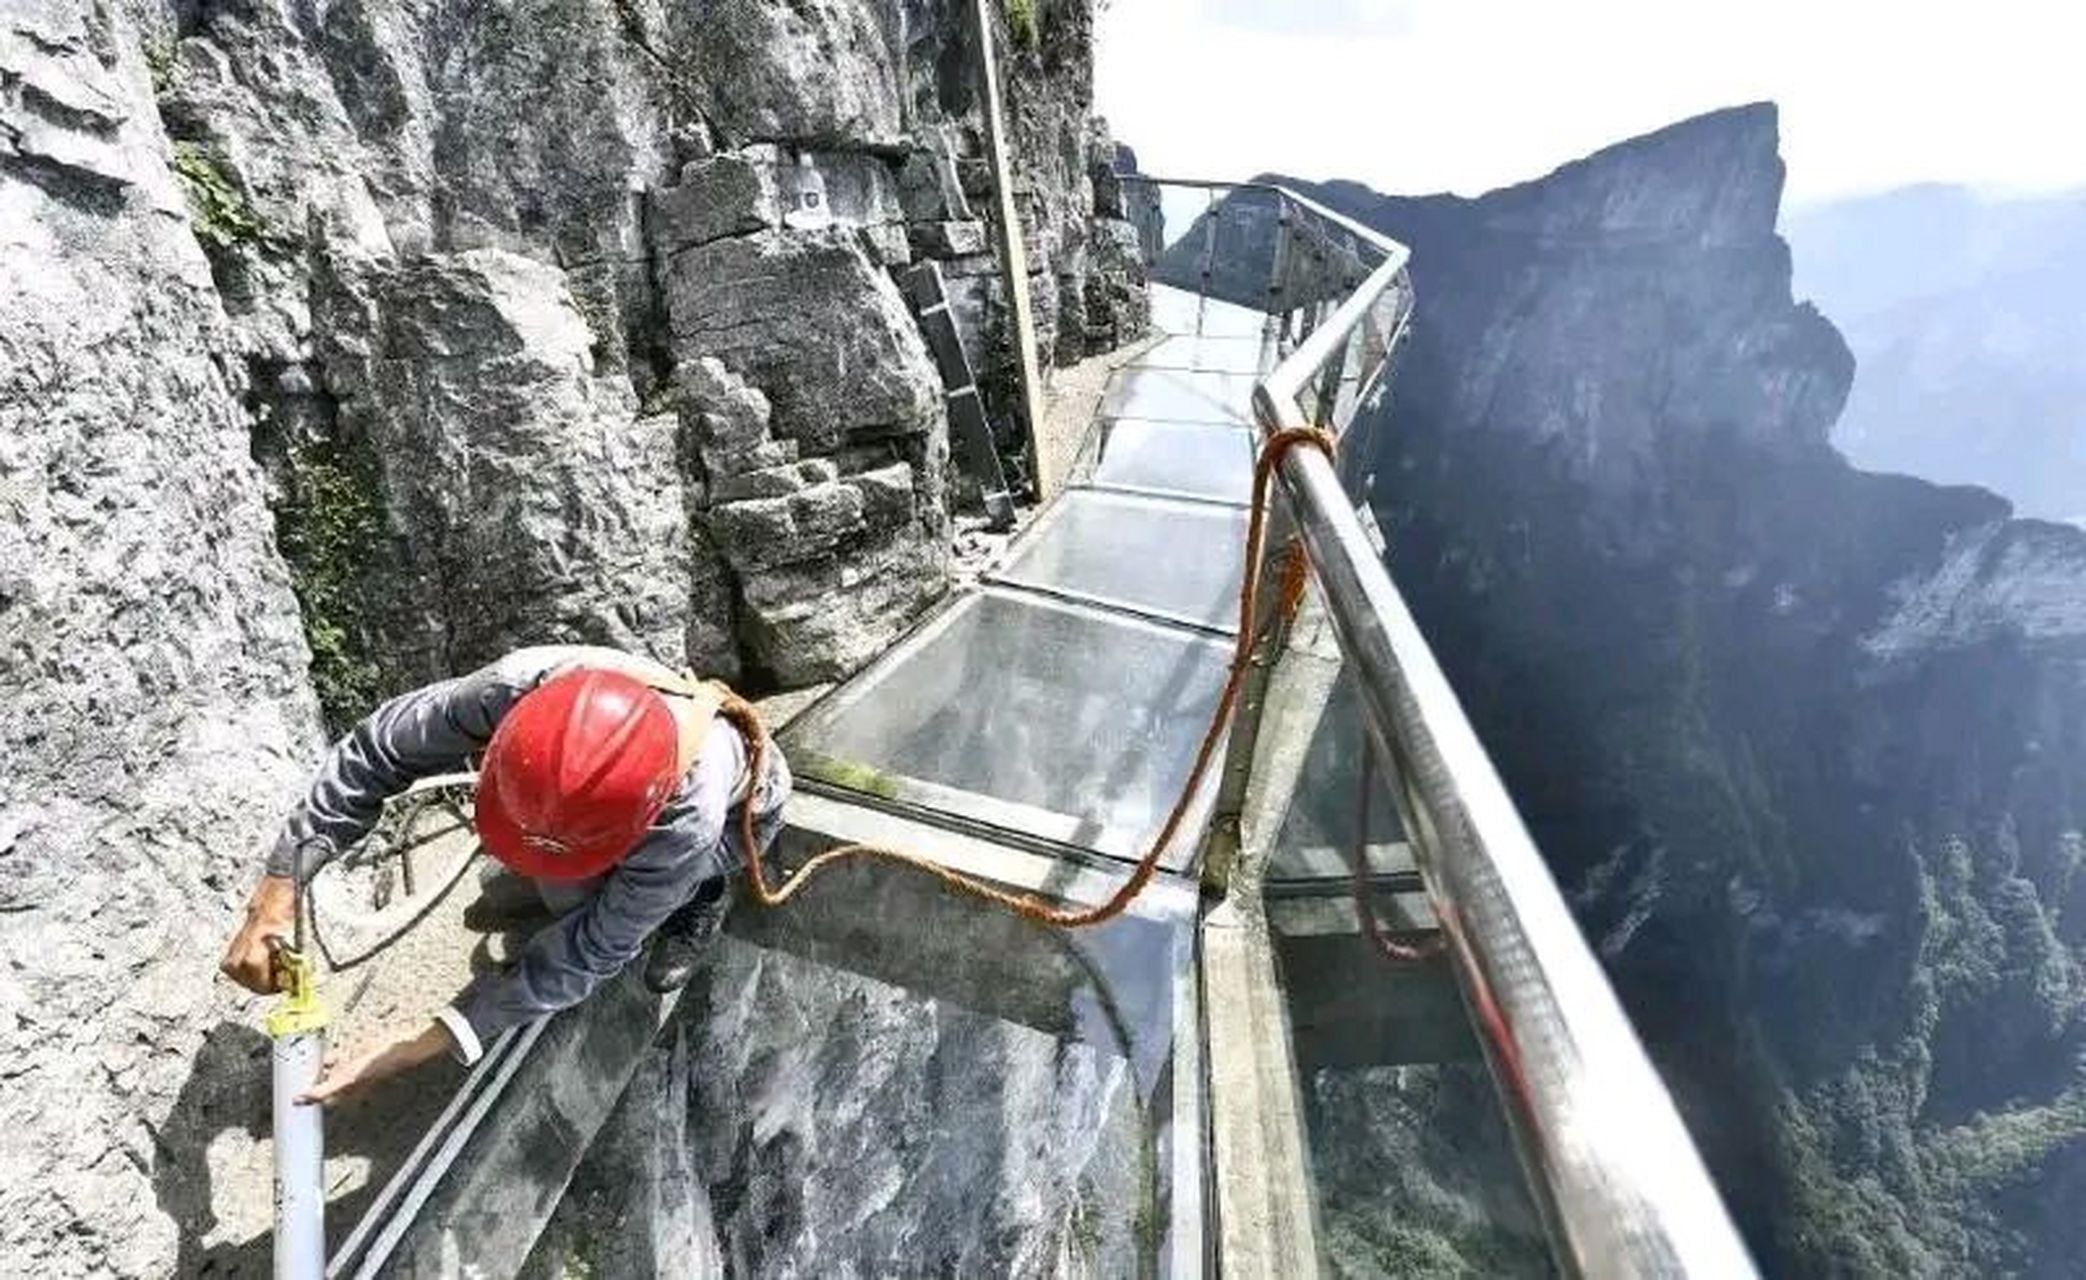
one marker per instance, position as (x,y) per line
(154,711)
(524,497)
(424,260)
(821,442)
(1047,90)
(717,179)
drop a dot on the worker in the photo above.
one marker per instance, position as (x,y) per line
(608,780)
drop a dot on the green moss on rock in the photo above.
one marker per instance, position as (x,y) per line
(218,211)
(1021,23)
(329,525)
(161,59)
(851,774)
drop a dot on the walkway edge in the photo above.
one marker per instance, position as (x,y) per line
(483,1192)
(1266,1217)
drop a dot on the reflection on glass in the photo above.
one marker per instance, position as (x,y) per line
(1179,395)
(1086,720)
(885,1079)
(1329,809)
(1214,354)
(1162,556)
(1414,1168)
(1176,457)
(1180,311)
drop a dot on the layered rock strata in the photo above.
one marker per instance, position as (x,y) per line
(728,181)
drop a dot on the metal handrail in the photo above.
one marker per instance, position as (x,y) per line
(1620,1186)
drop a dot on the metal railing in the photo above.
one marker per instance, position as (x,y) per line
(1614,1173)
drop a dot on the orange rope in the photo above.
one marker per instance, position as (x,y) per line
(741,716)
(1296,572)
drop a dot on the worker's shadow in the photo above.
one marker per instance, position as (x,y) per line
(229,1089)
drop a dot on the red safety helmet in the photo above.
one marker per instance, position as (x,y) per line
(575,774)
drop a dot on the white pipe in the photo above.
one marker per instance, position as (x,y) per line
(300,1155)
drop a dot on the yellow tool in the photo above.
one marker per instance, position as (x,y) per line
(300,1009)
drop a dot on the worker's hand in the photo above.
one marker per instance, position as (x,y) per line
(270,913)
(346,1075)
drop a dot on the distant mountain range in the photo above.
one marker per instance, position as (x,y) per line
(1967,318)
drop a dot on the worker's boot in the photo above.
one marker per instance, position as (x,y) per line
(680,943)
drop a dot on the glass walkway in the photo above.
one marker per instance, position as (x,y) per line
(1065,697)
(1347,1028)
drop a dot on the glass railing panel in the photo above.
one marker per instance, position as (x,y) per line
(1342,814)
(1173,224)
(1229,252)
(1183,313)
(1168,557)
(1412,1163)
(1174,311)
(1060,720)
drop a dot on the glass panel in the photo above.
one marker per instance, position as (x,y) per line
(885,1079)
(1170,220)
(1317,842)
(1213,354)
(1160,555)
(1174,311)
(1176,457)
(1177,395)
(1229,252)
(1067,722)
(1413,1166)
(1178,311)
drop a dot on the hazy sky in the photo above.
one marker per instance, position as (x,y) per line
(1466,95)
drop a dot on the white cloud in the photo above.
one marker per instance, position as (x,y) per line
(1466,95)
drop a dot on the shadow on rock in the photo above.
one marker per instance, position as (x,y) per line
(227,1090)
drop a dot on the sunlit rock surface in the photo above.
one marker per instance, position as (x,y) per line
(406,254)
(526,498)
(153,706)
(729,180)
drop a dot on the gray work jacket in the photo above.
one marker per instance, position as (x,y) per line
(436,730)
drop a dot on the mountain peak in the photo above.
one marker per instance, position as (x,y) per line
(1711,180)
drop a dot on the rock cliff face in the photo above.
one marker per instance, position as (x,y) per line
(1805,745)
(153,703)
(342,347)
(794,1119)
(714,181)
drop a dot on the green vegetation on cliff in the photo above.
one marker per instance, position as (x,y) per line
(1021,21)
(220,214)
(329,524)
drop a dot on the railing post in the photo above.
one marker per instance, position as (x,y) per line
(1329,387)
(1281,258)
(1270,629)
(1209,256)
